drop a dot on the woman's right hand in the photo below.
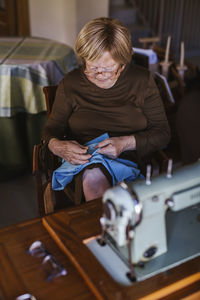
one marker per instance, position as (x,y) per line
(70,151)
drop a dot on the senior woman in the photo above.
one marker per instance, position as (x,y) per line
(106,94)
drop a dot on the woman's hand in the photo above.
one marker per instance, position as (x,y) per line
(114,146)
(70,151)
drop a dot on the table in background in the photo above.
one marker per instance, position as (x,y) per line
(26,65)
(86,279)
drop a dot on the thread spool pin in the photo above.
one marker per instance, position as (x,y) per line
(148,175)
(169,168)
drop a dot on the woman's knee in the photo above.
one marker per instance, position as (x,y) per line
(94,183)
(91,176)
(94,177)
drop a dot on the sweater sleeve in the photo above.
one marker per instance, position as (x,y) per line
(157,133)
(57,124)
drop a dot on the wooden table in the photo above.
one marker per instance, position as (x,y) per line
(62,233)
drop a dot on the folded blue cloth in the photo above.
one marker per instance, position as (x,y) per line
(119,169)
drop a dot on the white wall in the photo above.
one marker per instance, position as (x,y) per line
(90,9)
(61,20)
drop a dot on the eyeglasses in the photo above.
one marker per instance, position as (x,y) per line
(26,297)
(103,70)
(51,266)
(107,72)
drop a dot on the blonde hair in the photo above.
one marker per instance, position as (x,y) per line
(104,34)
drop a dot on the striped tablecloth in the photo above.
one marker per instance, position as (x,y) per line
(26,65)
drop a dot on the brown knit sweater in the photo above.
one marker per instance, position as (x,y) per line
(83,111)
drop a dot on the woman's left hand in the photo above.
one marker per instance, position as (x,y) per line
(114,146)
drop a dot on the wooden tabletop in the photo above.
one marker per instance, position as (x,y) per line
(62,234)
(21,273)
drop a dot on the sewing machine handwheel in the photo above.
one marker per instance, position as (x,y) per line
(109,210)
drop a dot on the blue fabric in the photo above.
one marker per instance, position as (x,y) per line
(119,169)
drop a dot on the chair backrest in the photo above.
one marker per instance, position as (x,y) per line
(50,93)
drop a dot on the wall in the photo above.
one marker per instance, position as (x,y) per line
(61,20)
(90,9)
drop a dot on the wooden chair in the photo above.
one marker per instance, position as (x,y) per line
(149,42)
(50,93)
(44,163)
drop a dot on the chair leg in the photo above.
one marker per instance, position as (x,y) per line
(38,181)
(48,199)
(39,195)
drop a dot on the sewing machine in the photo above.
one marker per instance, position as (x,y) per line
(152,224)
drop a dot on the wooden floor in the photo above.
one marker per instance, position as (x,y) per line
(18,200)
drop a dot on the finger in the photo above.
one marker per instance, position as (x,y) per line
(82,151)
(78,159)
(81,146)
(81,160)
(78,149)
(105,150)
(103,143)
(82,157)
